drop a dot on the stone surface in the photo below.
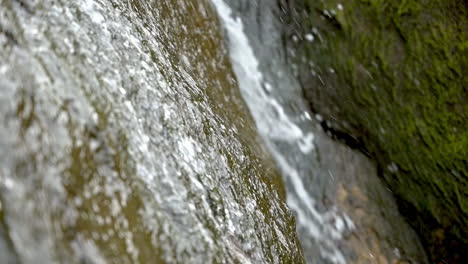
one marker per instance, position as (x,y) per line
(389,78)
(381,235)
(340,180)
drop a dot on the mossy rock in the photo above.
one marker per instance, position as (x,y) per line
(393,75)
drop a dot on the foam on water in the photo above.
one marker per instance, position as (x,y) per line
(275,125)
(126,159)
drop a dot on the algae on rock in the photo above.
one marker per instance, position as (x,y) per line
(392,75)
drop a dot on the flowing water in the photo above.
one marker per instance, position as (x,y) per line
(124,140)
(158,131)
(284,122)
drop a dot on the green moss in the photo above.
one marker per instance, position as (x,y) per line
(399,80)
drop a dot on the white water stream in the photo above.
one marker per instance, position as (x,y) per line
(274,125)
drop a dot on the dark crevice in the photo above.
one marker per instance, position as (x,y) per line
(441,246)
(9,36)
(25,6)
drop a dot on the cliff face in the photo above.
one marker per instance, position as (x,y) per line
(124,139)
(389,78)
(344,212)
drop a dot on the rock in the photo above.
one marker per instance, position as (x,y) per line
(7,253)
(120,140)
(358,214)
(390,78)
(380,233)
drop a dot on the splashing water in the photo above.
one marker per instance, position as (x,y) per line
(291,145)
(122,140)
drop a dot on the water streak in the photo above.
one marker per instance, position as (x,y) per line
(114,148)
(277,128)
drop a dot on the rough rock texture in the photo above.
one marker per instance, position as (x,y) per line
(120,140)
(7,253)
(389,77)
(381,235)
(340,179)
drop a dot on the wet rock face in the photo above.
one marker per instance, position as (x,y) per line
(379,234)
(122,140)
(389,79)
(354,217)
(6,250)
